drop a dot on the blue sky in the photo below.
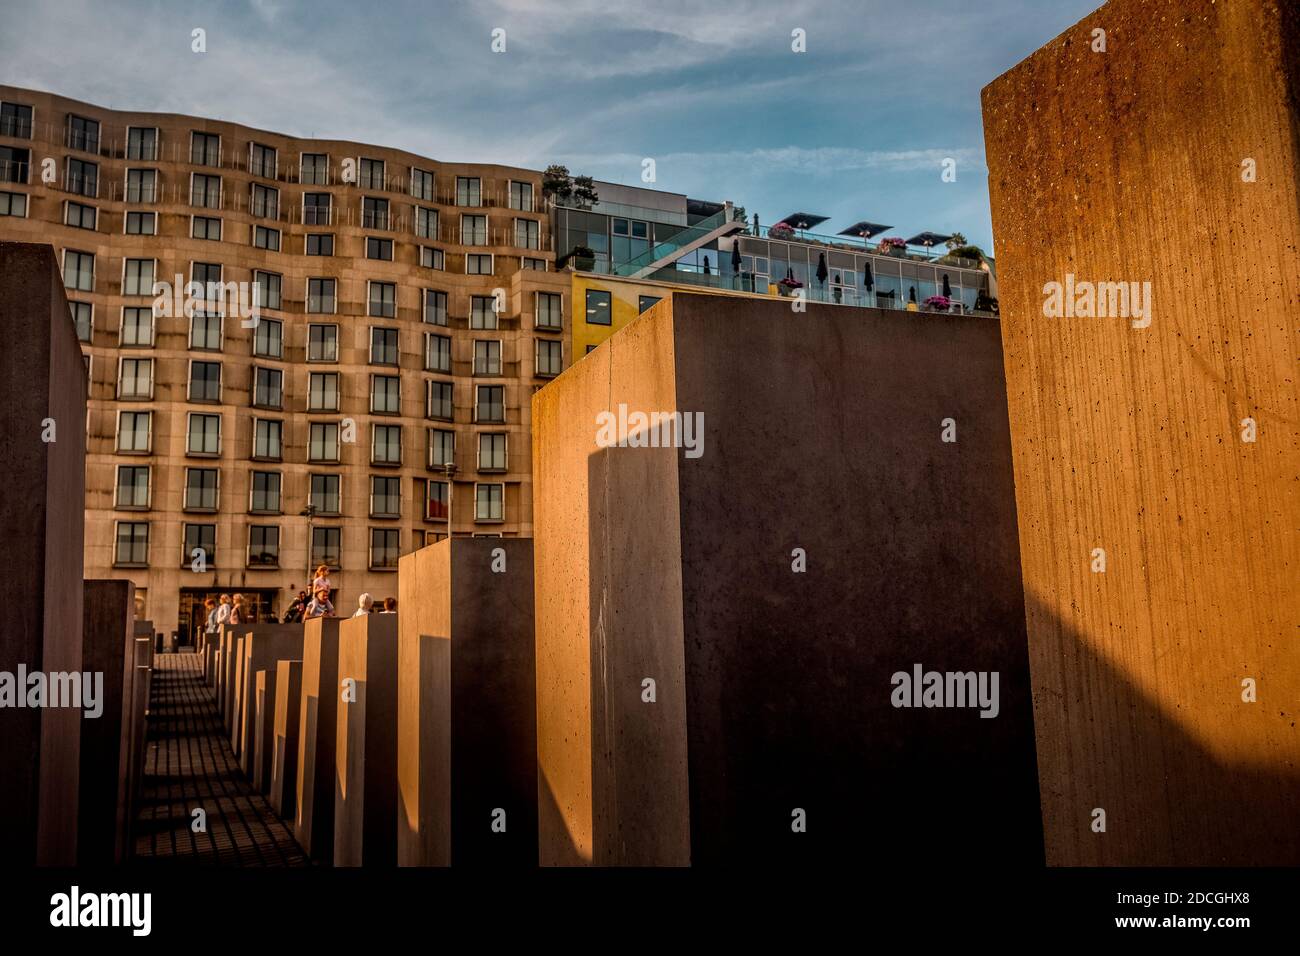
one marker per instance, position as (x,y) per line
(856,127)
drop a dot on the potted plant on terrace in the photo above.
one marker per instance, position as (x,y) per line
(892,246)
(938,303)
(780,231)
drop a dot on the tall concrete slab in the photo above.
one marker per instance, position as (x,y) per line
(42,454)
(313,820)
(720,628)
(264,646)
(107,637)
(466,734)
(365,791)
(283,793)
(1167,445)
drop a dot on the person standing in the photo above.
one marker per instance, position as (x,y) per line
(364,605)
(238,614)
(210,616)
(223,610)
(322,580)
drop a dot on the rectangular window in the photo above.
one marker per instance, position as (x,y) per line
(265,492)
(132,486)
(204,435)
(263,546)
(550,357)
(527,234)
(374,213)
(266,289)
(385,395)
(468,191)
(205,382)
(371,174)
(205,191)
(435,307)
(384,548)
(268,439)
(422,184)
(205,149)
(323,392)
(383,346)
(16,120)
(478,265)
(141,185)
(386,445)
(325,494)
(83,177)
(383,299)
(482,312)
(644,302)
(268,339)
(491,452)
(437,353)
(381,249)
(487,357)
(141,223)
(321,295)
(313,169)
(78,270)
(431,258)
(440,404)
(322,343)
(488,502)
(137,327)
(142,143)
(83,319)
(521,196)
(324,442)
(137,277)
(11,204)
(132,550)
(320,244)
(426,222)
(262,160)
(205,227)
(442,447)
(200,545)
(316,209)
(135,379)
(83,134)
(534,265)
(325,547)
(385,497)
(490,403)
(200,489)
(79,216)
(268,388)
(205,331)
(473,230)
(265,202)
(207,275)
(264,238)
(435,501)
(133,432)
(550,311)
(598,307)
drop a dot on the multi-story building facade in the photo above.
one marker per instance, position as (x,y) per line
(299,352)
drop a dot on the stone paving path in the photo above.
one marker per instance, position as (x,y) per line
(189,765)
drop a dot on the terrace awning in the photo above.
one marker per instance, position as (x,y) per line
(864,229)
(804,220)
(927,239)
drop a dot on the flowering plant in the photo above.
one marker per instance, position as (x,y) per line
(781,230)
(893,243)
(939,302)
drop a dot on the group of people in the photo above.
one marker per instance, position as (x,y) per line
(318,604)
(241,610)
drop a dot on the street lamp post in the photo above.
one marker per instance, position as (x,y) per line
(449,469)
(309,513)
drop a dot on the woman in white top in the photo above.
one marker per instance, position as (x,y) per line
(364,604)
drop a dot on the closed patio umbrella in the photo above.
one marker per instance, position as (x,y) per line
(911,293)
(735,256)
(822,272)
(947,289)
(868,279)
(706,265)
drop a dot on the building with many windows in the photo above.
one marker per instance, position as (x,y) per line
(299,352)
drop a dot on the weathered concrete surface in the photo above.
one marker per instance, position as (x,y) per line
(107,636)
(365,791)
(1128,166)
(232,655)
(466,734)
(264,646)
(772,687)
(313,821)
(284,748)
(42,385)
